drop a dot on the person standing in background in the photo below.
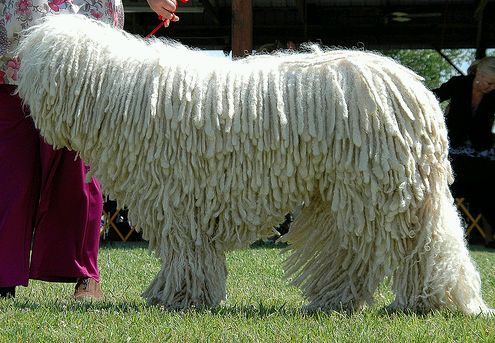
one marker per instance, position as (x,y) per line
(469,118)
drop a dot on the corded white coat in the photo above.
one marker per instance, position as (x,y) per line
(209,154)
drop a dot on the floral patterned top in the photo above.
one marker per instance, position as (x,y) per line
(16,15)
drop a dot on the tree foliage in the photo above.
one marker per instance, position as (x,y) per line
(431,65)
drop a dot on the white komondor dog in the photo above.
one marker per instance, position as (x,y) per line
(209,154)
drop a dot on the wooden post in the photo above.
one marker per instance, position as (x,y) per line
(242,28)
(479,15)
(302,16)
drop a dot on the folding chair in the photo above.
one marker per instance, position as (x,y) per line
(474,221)
(108,223)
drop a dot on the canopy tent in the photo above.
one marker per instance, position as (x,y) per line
(241,25)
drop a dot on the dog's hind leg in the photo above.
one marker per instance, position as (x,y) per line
(436,270)
(191,275)
(335,267)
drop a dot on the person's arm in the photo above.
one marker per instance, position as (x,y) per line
(445,91)
(165,9)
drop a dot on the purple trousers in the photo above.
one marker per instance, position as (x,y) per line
(49,216)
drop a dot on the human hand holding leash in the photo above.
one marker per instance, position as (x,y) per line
(165,10)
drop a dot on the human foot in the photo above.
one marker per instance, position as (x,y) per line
(88,288)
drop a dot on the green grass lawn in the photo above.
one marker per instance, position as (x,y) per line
(261,306)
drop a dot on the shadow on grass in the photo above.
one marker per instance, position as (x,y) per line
(111,245)
(116,245)
(247,311)
(260,310)
(85,306)
(446,313)
(482,248)
(256,311)
(259,244)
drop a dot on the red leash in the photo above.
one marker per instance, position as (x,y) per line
(163,22)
